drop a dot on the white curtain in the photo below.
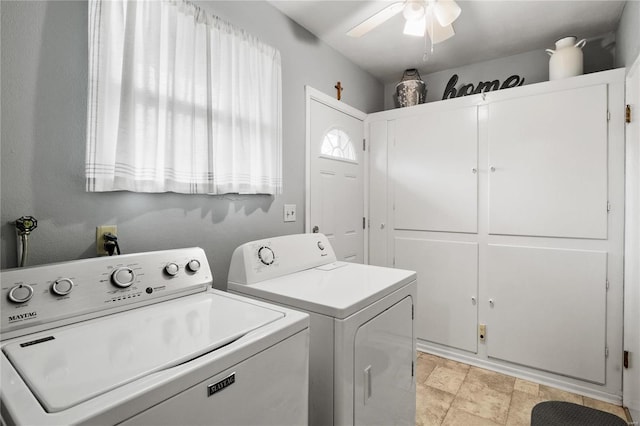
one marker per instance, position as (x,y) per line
(180,101)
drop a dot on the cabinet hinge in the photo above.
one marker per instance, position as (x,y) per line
(364,144)
(606,352)
(608,115)
(607,284)
(412,312)
(394,262)
(608,206)
(627,114)
(625,359)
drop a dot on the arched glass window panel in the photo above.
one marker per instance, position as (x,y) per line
(337,144)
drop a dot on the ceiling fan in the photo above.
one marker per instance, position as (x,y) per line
(433,16)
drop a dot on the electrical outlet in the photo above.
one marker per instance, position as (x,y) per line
(289,212)
(100,231)
(482,332)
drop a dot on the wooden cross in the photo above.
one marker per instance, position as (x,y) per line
(339,89)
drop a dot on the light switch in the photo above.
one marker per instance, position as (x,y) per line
(289,212)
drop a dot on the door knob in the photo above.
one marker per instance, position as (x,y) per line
(315,229)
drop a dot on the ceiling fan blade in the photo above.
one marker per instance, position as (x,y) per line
(377,19)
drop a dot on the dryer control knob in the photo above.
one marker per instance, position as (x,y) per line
(171,269)
(123,277)
(266,255)
(62,287)
(20,293)
(193,265)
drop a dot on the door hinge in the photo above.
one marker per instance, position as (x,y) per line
(625,359)
(608,206)
(364,223)
(608,115)
(394,262)
(606,352)
(627,114)
(412,312)
(412,367)
(364,144)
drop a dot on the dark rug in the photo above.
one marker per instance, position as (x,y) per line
(559,413)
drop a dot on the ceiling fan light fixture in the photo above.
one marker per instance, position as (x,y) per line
(415,27)
(437,33)
(413,10)
(446,11)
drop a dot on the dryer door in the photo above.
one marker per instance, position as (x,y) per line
(385,389)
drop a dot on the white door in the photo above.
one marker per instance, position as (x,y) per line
(447,289)
(548,164)
(383,373)
(335,178)
(547,309)
(435,167)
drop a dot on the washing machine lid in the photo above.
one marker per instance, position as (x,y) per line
(338,289)
(66,366)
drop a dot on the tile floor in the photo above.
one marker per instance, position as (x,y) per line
(454,394)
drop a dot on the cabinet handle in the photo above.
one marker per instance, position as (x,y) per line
(493,169)
(382,226)
(473,300)
(474,170)
(491,302)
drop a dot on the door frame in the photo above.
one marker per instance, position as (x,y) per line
(313,94)
(631,387)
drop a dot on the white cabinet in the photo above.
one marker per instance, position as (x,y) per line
(447,289)
(514,198)
(548,164)
(435,168)
(547,309)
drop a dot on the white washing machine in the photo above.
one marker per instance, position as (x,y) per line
(362,353)
(144,339)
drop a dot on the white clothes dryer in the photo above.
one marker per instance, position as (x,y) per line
(362,350)
(144,339)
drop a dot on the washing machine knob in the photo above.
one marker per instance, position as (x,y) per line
(20,293)
(62,287)
(171,269)
(193,265)
(266,255)
(123,277)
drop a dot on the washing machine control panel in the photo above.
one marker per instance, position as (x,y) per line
(92,287)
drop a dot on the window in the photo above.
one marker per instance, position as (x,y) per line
(337,144)
(180,101)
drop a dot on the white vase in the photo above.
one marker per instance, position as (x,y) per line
(566,60)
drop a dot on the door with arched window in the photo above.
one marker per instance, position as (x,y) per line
(335,155)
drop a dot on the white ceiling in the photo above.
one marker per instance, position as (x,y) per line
(486,29)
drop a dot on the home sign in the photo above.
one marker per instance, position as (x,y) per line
(483,86)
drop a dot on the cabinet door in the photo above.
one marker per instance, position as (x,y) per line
(548,164)
(548,309)
(384,368)
(434,171)
(447,289)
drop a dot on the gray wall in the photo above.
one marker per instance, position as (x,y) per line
(533,66)
(43,87)
(628,35)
